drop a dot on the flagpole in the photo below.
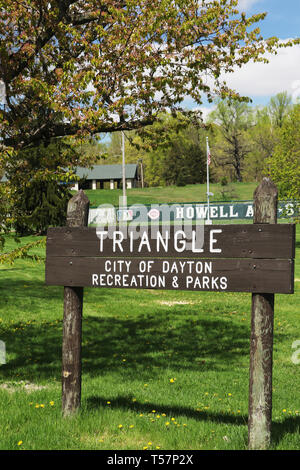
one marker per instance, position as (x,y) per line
(208,221)
(124,200)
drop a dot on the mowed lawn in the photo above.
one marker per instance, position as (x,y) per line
(169,194)
(162,370)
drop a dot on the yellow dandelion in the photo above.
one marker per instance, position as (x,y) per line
(284,411)
(163,414)
(167,423)
(145,448)
(120,426)
(108,402)
(131,426)
(153,411)
(51,403)
(149,443)
(20,443)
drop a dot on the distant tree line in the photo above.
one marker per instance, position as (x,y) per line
(246,144)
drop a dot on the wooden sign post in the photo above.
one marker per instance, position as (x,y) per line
(261,343)
(77,216)
(256,258)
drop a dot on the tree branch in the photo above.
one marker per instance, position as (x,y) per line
(47,132)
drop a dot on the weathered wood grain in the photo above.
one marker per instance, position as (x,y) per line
(261,340)
(273,276)
(234,241)
(77,214)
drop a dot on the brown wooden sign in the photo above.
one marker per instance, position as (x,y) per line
(233,258)
(269,275)
(217,241)
(256,258)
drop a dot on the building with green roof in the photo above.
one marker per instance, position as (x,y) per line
(96,176)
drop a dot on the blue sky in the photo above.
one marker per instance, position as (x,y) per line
(262,81)
(283,19)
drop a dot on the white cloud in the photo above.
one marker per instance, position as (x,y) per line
(258,79)
(245,5)
(205,110)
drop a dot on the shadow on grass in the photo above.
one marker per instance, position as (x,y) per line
(132,346)
(149,341)
(290,425)
(140,344)
(125,403)
(144,344)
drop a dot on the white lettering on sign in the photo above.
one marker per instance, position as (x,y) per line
(201,212)
(206,282)
(117,241)
(100,235)
(160,274)
(181,242)
(215,211)
(249,212)
(144,241)
(160,241)
(183,267)
(213,241)
(222,212)
(179,213)
(117,266)
(231,214)
(179,234)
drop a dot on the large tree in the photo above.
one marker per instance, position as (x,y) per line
(279,107)
(233,120)
(74,67)
(284,165)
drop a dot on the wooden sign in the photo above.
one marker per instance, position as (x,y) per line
(256,258)
(233,258)
(217,241)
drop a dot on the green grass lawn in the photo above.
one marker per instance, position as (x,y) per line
(161,369)
(189,193)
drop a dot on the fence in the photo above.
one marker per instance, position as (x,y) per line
(194,211)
